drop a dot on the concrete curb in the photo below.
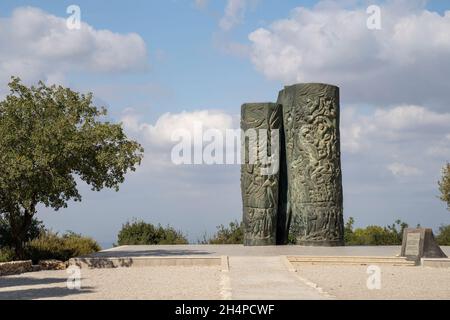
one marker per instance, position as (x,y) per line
(349,260)
(435,262)
(288,264)
(225,264)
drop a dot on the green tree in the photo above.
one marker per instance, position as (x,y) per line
(443,238)
(139,232)
(49,137)
(444,185)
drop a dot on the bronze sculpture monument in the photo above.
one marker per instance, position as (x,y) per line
(302,199)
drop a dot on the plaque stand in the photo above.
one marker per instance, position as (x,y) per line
(420,243)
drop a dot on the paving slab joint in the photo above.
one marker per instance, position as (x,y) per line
(225,264)
(305,281)
(288,264)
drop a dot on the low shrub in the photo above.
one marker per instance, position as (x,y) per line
(233,234)
(139,232)
(50,245)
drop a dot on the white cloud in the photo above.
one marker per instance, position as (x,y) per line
(36,45)
(235,12)
(396,126)
(160,133)
(401,169)
(404,62)
(392,159)
(157,137)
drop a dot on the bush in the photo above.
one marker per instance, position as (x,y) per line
(141,233)
(50,245)
(374,235)
(443,238)
(6,254)
(233,234)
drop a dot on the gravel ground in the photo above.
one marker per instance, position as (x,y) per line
(157,283)
(349,282)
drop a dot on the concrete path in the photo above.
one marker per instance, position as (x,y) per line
(267,278)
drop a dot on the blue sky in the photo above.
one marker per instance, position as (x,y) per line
(394,97)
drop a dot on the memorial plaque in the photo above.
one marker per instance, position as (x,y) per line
(412,244)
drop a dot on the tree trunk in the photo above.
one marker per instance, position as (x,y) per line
(20,224)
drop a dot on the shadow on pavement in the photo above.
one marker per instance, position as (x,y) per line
(41,293)
(147,253)
(15,281)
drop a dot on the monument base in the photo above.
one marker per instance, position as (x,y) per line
(259,242)
(327,243)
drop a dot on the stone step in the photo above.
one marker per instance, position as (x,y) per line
(126,262)
(351,260)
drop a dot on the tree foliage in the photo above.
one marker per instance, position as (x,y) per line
(444,185)
(443,237)
(139,232)
(49,137)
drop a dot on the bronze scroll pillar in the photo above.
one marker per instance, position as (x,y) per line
(313,211)
(261,124)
